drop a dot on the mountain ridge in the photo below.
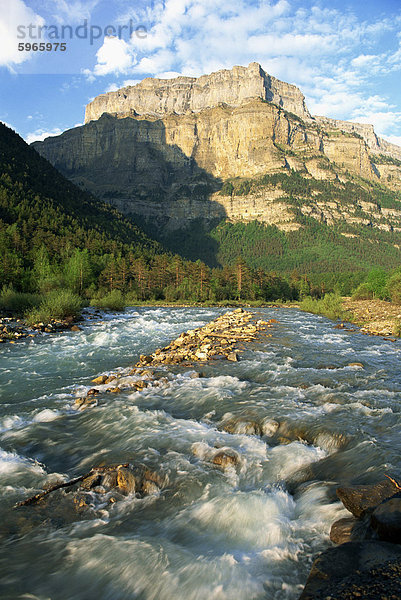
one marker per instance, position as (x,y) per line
(171,173)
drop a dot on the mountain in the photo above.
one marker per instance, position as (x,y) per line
(41,208)
(196,162)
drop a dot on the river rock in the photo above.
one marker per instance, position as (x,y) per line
(347,530)
(355,364)
(100,380)
(386,520)
(242,425)
(83,403)
(126,480)
(367,570)
(359,499)
(92,481)
(225,458)
(149,488)
(233,356)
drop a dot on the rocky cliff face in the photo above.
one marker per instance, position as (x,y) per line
(164,148)
(160,97)
(133,161)
(376,144)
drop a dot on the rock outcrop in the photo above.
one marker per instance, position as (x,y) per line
(160,97)
(161,150)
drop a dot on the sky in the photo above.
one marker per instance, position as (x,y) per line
(344,55)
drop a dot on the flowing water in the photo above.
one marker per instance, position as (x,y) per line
(247,532)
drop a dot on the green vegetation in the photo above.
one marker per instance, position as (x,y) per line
(383,159)
(57,304)
(17,302)
(330,306)
(113,300)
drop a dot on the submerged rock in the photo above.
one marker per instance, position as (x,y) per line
(241,425)
(126,480)
(226,458)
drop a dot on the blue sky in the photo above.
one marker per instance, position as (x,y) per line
(344,55)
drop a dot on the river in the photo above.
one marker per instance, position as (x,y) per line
(249,532)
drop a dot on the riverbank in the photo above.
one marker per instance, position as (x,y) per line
(375,317)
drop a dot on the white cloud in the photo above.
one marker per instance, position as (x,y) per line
(114,56)
(128,82)
(16,15)
(363,60)
(73,11)
(329,53)
(112,87)
(40,134)
(393,139)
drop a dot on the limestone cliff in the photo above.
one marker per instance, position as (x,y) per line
(135,159)
(159,97)
(376,144)
(162,150)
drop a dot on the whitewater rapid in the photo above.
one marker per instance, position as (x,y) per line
(246,532)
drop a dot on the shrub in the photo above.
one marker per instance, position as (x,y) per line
(362,292)
(57,304)
(330,306)
(113,300)
(394,288)
(17,302)
(397,328)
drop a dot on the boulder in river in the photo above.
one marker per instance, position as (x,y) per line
(225,457)
(369,570)
(348,529)
(241,425)
(386,520)
(359,499)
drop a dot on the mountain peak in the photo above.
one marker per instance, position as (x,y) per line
(160,97)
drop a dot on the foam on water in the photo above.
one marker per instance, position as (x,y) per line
(233,533)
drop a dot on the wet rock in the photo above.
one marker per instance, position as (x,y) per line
(241,425)
(93,392)
(386,520)
(92,481)
(82,403)
(100,380)
(110,479)
(233,356)
(149,488)
(270,427)
(126,480)
(347,530)
(359,499)
(367,570)
(355,364)
(153,476)
(75,328)
(115,390)
(226,458)
(140,385)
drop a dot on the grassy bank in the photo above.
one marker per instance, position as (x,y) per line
(331,306)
